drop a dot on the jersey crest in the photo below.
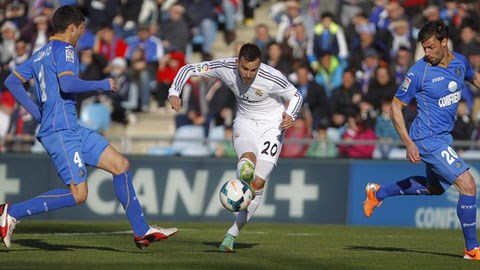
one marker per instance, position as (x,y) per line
(69,55)
(406,84)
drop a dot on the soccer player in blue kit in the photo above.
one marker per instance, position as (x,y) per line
(436,81)
(55,69)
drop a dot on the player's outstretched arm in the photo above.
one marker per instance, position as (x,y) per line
(15,85)
(72,84)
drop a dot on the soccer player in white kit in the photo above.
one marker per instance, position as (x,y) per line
(267,104)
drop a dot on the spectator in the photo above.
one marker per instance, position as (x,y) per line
(298,131)
(229,9)
(321,147)
(314,97)
(37,32)
(382,87)
(468,38)
(92,66)
(293,14)
(262,38)
(21,133)
(7,106)
(384,130)
(16,12)
(175,32)
(221,105)
(203,20)
(344,99)
(10,34)
(277,59)
(166,72)
(368,67)
(355,138)
(21,54)
(124,100)
(327,36)
(101,12)
(402,62)
(330,71)
(144,51)
(109,44)
(249,12)
(463,129)
(401,37)
(297,43)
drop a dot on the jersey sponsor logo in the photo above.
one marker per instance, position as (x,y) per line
(437,79)
(69,55)
(259,92)
(452,86)
(406,84)
(450,99)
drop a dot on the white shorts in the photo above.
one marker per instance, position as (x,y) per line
(262,137)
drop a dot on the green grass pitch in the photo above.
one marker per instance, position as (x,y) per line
(100,245)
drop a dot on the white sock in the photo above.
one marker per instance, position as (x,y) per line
(244,216)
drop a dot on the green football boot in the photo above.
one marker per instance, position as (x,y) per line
(227,244)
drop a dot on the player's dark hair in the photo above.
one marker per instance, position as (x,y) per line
(250,52)
(433,28)
(66,15)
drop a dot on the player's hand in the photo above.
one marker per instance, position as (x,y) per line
(176,103)
(113,84)
(287,121)
(412,153)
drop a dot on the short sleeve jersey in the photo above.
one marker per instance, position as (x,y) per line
(46,66)
(437,91)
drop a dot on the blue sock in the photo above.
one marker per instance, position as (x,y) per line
(126,195)
(413,185)
(48,201)
(467,214)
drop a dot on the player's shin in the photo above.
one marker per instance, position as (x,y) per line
(244,216)
(48,201)
(467,214)
(127,197)
(413,185)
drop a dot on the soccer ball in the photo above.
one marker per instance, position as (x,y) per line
(235,195)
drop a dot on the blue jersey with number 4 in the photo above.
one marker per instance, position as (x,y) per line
(46,66)
(437,91)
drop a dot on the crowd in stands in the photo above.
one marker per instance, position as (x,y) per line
(346,59)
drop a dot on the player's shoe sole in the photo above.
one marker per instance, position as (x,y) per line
(7,225)
(371,201)
(154,234)
(227,243)
(473,254)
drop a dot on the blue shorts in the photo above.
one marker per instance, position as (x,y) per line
(443,164)
(72,149)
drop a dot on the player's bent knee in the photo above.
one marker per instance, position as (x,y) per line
(121,165)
